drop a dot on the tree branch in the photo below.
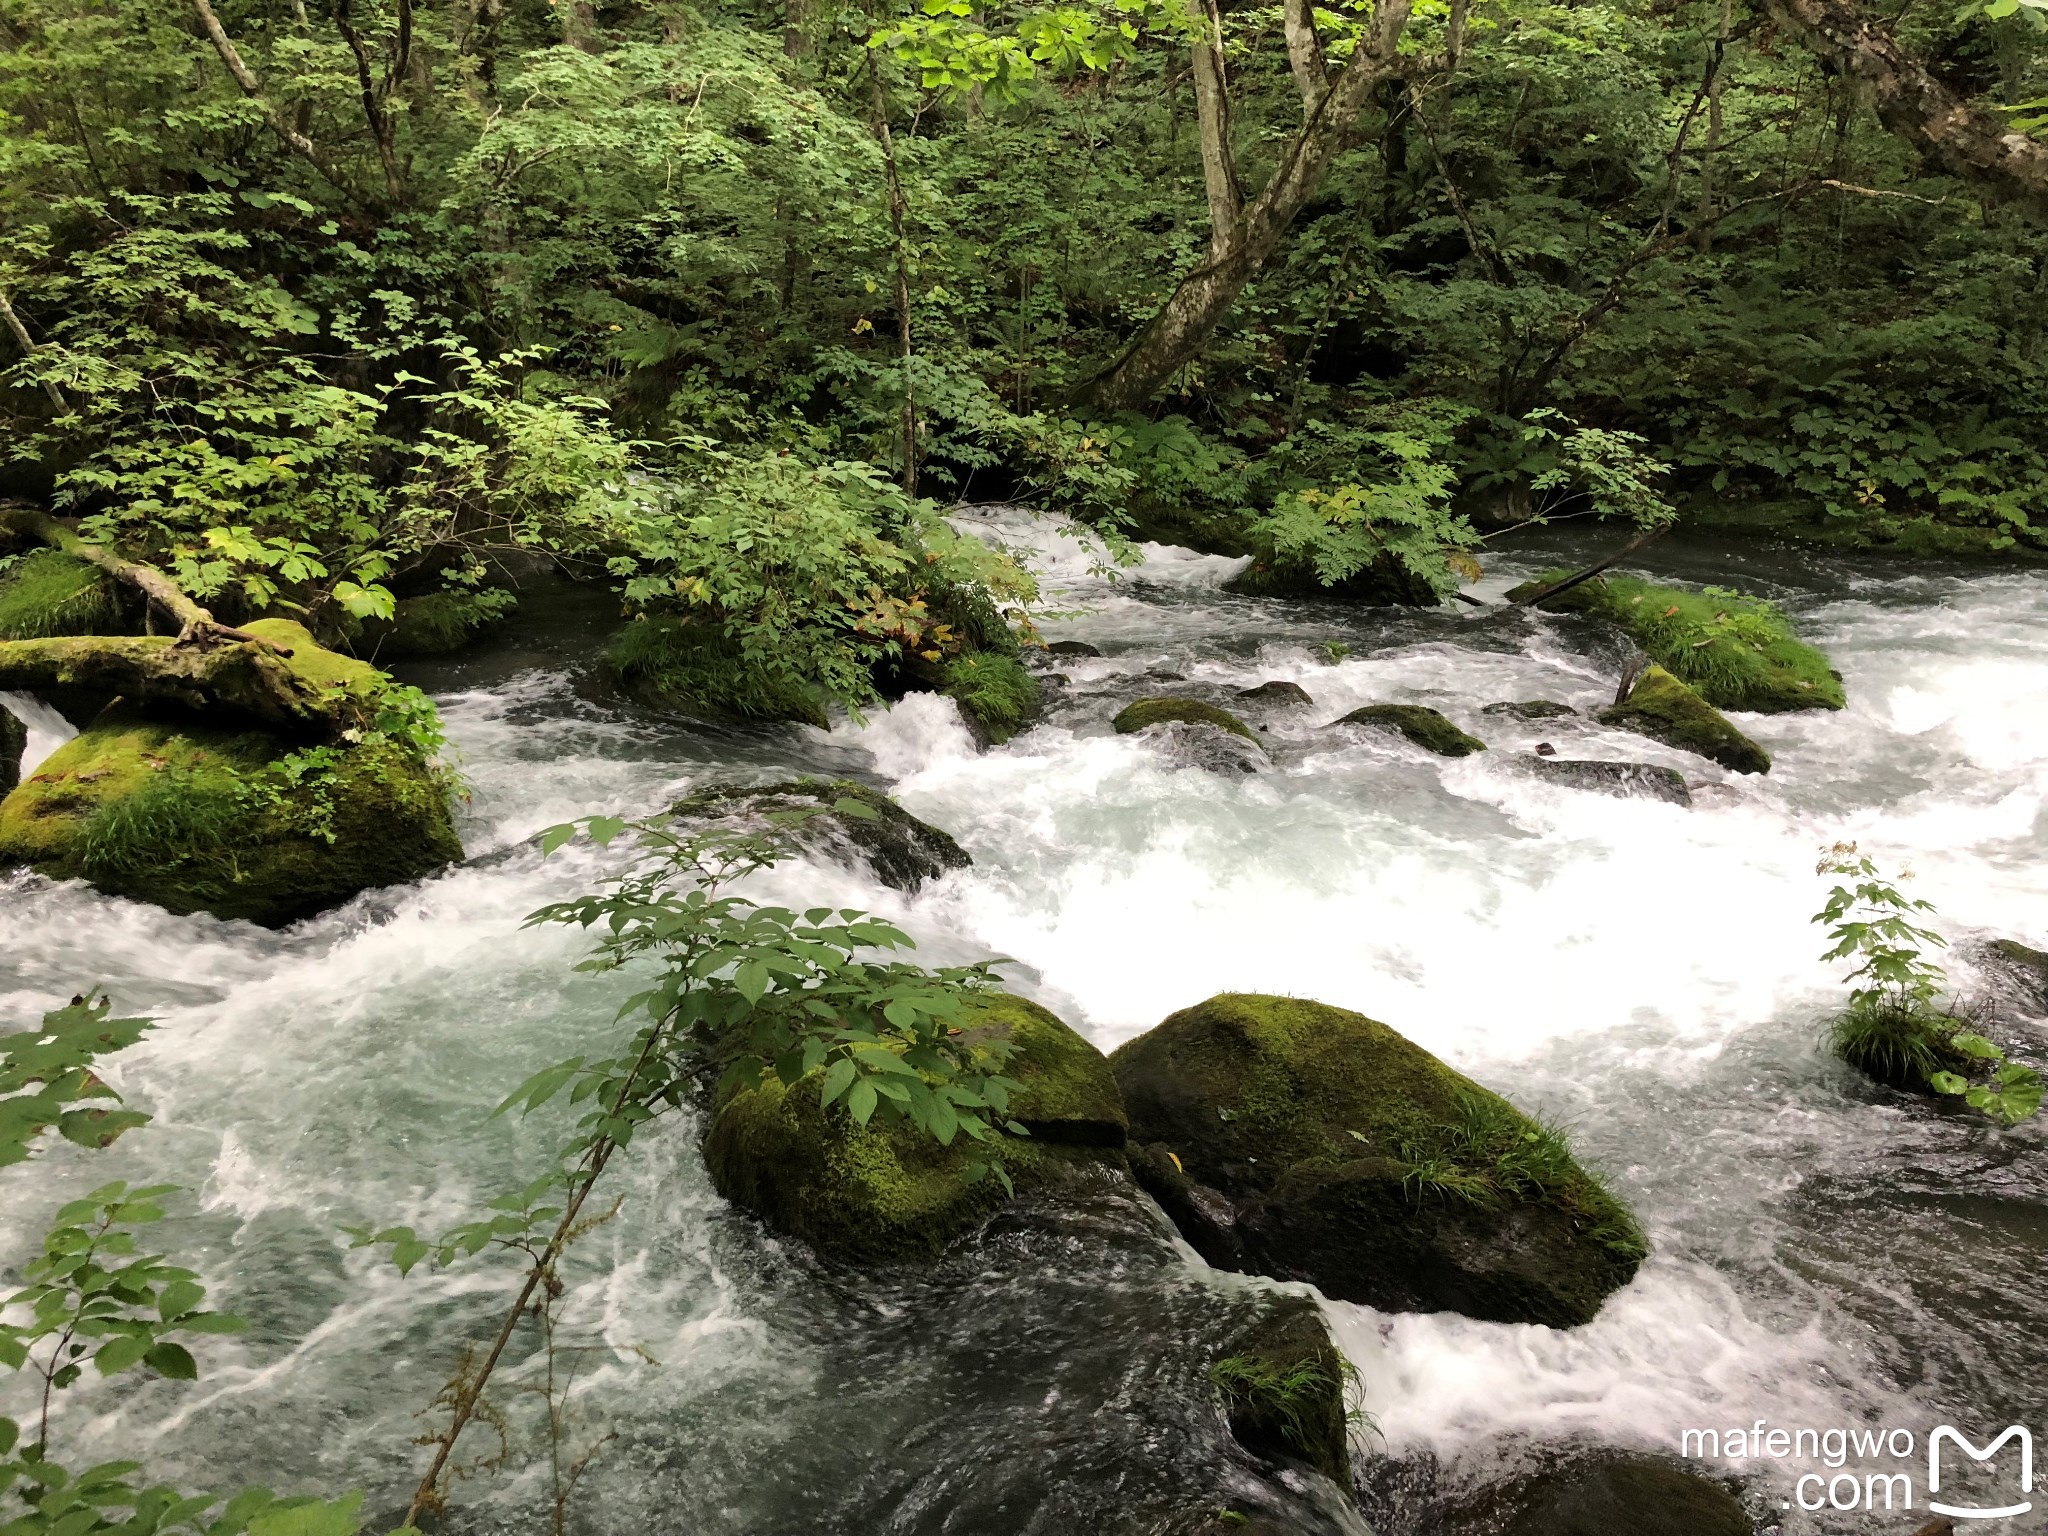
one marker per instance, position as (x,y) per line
(253,89)
(29,350)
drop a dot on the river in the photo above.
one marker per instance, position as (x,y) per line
(1824,1254)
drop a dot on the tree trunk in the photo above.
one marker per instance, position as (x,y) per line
(1239,249)
(1964,140)
(1212,110)
(246,679)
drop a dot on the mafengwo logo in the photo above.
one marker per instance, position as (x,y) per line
(1947,1435)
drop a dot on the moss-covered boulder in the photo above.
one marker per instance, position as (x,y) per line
(1283,1386)
(1279,692)
(890,1193)
(1426,727)
(233,820)
(1664,709)
(1306,1142)
(434,624)
(1386,583)
(679,667)
(45,593)
(1146,713)
(1739,652)
(13,742)
(1627,781)
(997,696)
(840,819)
(1075,650)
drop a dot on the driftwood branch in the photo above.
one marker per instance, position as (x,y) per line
(29,349)
(1559,588)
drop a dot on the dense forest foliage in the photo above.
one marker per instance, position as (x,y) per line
(315,303)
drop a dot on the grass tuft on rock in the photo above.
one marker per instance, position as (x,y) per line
(995,691)
(46,593)
(1738,652)
(697,669)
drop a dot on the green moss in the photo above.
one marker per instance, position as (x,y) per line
(994,691)
(1284,1388)
(13,742)
(48,593)
(1664,709)
(1738,652)
(1150,712)
(1386,583)
(1426,727)
(434,624)
(197,818)
(886,1193)
(697,669)
(1362,1163)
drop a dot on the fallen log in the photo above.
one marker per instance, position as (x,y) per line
(248,678)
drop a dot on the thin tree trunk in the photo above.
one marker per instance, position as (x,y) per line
(1964,140)
(29,349)
(1212,107)
(897,208)
(1204,296)
(1305,54)
(252,87)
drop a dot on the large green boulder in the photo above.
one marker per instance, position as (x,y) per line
(1386,583)
(13,742)
(232,819)
(888,1193)
(1293,1139)
(1429,729)
(836,817)
(1664,709)
(1738,652)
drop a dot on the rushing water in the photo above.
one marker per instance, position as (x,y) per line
(1825,1254)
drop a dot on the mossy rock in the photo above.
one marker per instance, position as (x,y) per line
(1532,709)
(13,742)
(1738,652)
(201,818)
(890,1193)
(435,624)
(901,851)
(1664,709)
(1323,1146)
(1426,727)
(1079,650)
(1146,713)
(1627,781)
(995,693)
(678,667)
(1386,583)
(47,593)
(1279,692)
(1283,1386)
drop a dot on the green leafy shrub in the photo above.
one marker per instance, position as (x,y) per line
(994,690)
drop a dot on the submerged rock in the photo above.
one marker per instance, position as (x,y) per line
(902,851)
(13,742)
(2024,965)
(1664,709)
(236,821)
(1283,1386)
(1629,780)
(1072,648)
(1531,709)
(1424,726)
(888,1193)
(1146,713)
(1278,692)
(1739,652)
(1289,1138)
(997,696)
(1604,1494)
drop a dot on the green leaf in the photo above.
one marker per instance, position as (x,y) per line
(117,1354)
(838,1078)
(172,1360)
(178,1298)
(858,810)
(860,1101)
(1947,1082)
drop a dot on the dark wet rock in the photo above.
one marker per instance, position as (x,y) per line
(1545,749)
(1278,692)
(1292,1139)
(1166,675)
(1426,727)
(887,1193)
(2022,964)
(1664,709)
(1531,709)
(1631,780)
(1386,583)
(13,742)
(1072,648)
(902,851)
(1604,1494)
(1283,1386)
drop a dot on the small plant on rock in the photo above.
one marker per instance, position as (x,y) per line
(1899,1028)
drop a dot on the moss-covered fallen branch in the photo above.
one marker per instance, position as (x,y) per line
(248,679)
